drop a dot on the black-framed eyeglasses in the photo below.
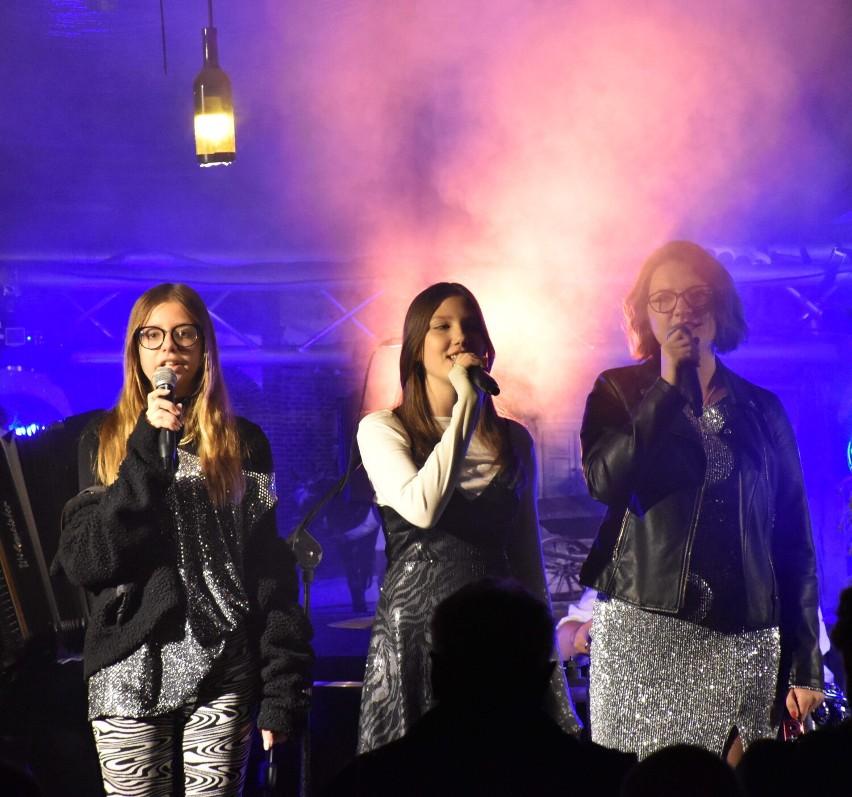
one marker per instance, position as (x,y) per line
(183,335)
(698,298)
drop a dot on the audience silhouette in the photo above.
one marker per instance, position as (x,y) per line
(682,770)
(487,734)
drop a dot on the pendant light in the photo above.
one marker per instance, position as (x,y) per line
(215,143)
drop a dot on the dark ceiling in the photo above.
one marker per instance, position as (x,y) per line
(359,120)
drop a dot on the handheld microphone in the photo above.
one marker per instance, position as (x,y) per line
(687,376)
(167,444)
(483,380)
(267,774)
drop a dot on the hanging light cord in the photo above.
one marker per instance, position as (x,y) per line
(163,30)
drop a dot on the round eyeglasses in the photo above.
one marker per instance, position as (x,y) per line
(183,335)
(697,298)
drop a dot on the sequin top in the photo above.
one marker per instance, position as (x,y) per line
(159,677)
(715,592)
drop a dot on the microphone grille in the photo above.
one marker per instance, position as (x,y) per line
(678,328)
(164,377)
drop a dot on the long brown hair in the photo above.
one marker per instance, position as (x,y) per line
(731,327)
(414,409)
(207,417)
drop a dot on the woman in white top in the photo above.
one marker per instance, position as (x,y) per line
(455,485)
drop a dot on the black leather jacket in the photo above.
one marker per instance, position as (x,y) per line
(643,459)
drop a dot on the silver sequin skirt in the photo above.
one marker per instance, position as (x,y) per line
(656,680)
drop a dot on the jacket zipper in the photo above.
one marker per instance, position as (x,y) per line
(771,530)
(616,551)
(684,570)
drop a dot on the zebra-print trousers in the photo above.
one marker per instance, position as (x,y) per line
(211,737)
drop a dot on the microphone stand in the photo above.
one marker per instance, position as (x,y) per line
(308,555)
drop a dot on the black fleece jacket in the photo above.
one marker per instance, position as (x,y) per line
(119,543)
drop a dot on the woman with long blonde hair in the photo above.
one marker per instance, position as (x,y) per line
(196,621)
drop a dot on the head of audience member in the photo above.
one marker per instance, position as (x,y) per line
(681,770)
(841,634)
(491,647)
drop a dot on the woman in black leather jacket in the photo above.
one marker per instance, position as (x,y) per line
(704,561)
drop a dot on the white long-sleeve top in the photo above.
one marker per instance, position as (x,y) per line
(581,611)
(459,460)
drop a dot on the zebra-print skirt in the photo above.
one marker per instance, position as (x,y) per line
(397,683)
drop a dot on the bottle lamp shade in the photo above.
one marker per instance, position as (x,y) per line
(215,142)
